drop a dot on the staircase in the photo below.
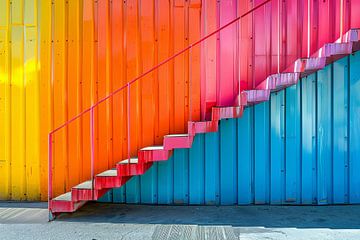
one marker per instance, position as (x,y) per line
(125,169)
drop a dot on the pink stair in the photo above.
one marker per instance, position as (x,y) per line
(124,170)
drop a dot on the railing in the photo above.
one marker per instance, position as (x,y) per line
(189,49)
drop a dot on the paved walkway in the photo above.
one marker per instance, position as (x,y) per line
(112,221)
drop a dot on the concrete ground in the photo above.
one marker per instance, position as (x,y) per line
(112,221)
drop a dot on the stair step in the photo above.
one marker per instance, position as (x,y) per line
(109,179)
(84,185)
(219,113)
(257,96)
(153,154)
(128,168)
(64,197)
(108,173)
(173,141)
(177,135)
(203,127)
(152,148)
(132,161)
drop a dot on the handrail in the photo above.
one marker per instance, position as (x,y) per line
(157,66)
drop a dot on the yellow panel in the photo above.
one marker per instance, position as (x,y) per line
(30,12)
(17,115)
(59,98)
(4,118)
(4,4)
(45,103)
(32,115)
(17,8)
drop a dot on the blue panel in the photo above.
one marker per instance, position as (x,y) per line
(181,176)
(119,195)
(133,190)
(292,142)
(197,174)
(149,185)
(308,147)
(354,141)
(277,146)
(340,126)
(108,197)
(262,170)
(228,162)
(302,147)
(245,157)
(166,181)
(324,144)
(212,166)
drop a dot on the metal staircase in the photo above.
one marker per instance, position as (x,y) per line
(100,183)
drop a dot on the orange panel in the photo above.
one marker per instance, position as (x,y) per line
(59,99)
(87,82)
(74,90)
(180,67)
(118,80)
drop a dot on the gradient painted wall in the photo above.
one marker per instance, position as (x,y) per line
(301,147)
(59,57)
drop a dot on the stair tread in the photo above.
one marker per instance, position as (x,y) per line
(126,161)
(63,197)
(152,148)
(108,173)
(84,185)
(178,135)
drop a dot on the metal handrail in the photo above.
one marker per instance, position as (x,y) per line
(91,109)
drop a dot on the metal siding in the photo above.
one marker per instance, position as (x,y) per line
(291,150)
(308,140)
(340,126)
(181,176)
(262,153)
(196,171)
(211,168)
(354,133)
(277,148)
(324,141)
(245,141)
(293,144)
(48,76)
(228,162)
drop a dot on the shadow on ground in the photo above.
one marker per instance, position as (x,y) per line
(333,217)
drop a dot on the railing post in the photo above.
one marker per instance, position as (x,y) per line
(190,84)
(92,147)
(128,122)
(50,183)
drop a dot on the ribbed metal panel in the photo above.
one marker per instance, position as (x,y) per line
(301,147)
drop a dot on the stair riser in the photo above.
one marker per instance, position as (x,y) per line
(65,206)
(110,182)
(171,143)
(202,127)
(132,169)
(86,194)
(153,156)
(234,112)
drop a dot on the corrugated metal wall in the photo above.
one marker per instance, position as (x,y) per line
(20,165)
(301,147)
(59,57)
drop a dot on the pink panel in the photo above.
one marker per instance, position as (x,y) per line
(355,11)
(208,58)
(227,81)
(246,46)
